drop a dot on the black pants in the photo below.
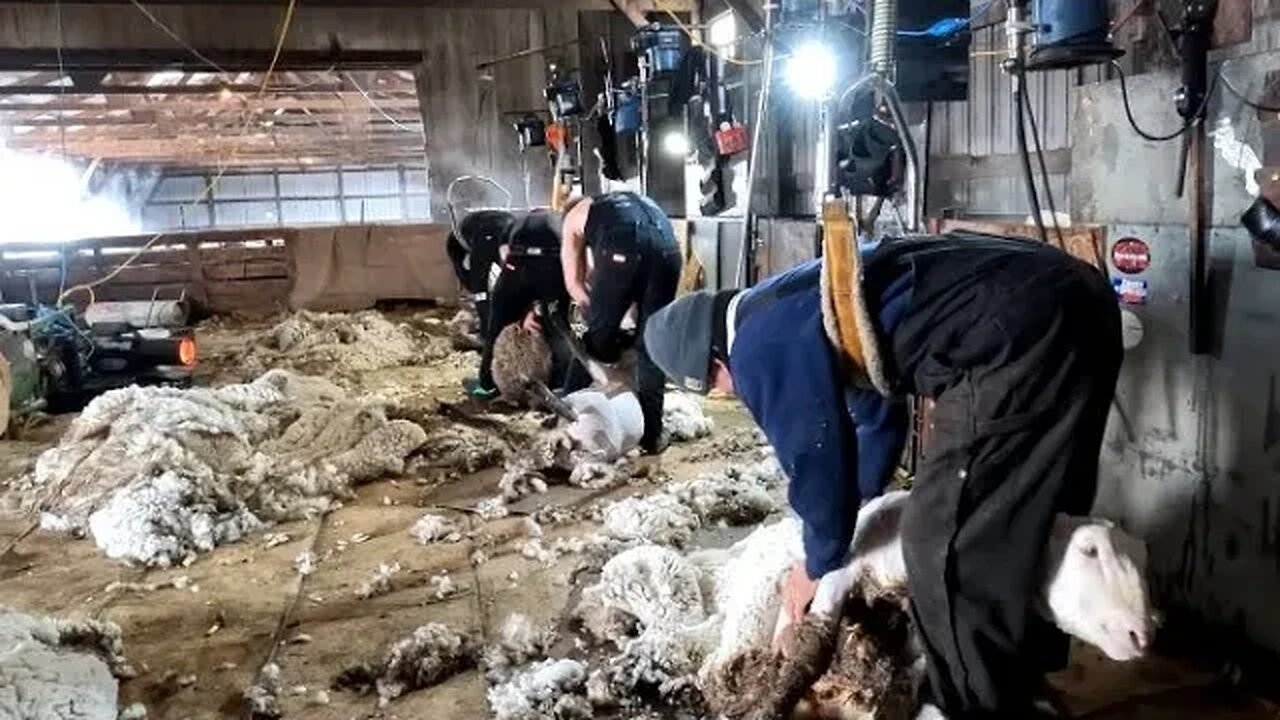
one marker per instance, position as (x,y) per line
(1017,433)
(522,285)
(639,266)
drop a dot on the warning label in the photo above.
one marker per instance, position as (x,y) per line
(1131,256)
(1131,292)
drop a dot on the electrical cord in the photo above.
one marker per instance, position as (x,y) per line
(1024,153)
(285,23)
(1231,87)
(377,107)
(1197,118)
(177,38)
(1044,169)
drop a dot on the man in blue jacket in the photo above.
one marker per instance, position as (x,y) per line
(1019,345)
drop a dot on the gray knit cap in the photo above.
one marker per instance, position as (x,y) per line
(678,339)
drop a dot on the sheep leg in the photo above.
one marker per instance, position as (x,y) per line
(807,658)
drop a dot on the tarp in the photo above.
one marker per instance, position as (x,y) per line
(353,268)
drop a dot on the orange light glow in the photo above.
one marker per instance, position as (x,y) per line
(187,351)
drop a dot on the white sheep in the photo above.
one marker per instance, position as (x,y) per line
(1093,588)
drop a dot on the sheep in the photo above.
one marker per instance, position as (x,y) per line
(1093,589)
(1094,577)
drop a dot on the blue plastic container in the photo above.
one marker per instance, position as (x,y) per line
(626,114)
(1069,22)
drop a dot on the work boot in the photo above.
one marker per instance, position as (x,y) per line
(476,390)
(656,446)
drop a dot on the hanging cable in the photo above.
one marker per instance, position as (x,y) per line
(377,107)
(178,38)
(1024,153)
(285,23)
(1044,169)
(1231,87)
(1150,137)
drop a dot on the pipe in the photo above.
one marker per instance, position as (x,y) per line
(884,37)
(757,135)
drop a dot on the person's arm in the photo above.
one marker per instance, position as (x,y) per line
(573,253)
(787,375)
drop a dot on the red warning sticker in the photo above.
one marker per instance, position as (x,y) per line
(1131,255)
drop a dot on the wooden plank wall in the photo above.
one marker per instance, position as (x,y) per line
(258,271)
(225,271)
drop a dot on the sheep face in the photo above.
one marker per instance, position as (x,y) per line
(1096,588)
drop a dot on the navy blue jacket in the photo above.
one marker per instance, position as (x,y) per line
(838,445)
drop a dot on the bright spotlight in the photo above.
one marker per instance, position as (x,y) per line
(811,70)
(676,144)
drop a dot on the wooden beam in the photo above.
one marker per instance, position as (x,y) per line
(180,59)
(206,89)
(678,5)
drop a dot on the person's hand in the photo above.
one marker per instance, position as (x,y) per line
(580,296)
(798,591)
(532,323)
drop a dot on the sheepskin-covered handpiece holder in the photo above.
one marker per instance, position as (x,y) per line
(844,309)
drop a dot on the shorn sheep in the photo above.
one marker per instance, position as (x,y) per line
(853,657)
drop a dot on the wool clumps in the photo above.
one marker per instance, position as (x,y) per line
(157,475)
(59,669)
(430,655)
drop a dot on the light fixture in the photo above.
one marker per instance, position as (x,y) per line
(811,70)
(723,32)
(676,144)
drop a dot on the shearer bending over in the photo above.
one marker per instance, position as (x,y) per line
(529,288)
(1018,343)
(474,251)
(636,262)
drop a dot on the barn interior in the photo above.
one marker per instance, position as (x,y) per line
(243,474)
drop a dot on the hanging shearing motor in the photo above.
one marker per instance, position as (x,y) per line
(1071,34)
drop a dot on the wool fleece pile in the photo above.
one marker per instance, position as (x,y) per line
(157,475)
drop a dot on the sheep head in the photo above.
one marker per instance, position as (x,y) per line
(1095,586)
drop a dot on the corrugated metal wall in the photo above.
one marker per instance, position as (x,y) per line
(973,145)
(329,196)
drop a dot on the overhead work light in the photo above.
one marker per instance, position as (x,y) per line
(811,70)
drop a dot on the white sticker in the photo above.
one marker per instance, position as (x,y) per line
(534,251)
(481,297)
(620,258)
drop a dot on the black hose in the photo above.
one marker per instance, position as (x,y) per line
(1044,170)
(1024,152)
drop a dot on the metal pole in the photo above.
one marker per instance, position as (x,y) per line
(753,163)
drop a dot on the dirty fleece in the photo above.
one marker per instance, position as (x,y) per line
(59,669)
(156,475)
(339,345)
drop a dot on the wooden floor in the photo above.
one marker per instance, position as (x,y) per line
(197,648)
